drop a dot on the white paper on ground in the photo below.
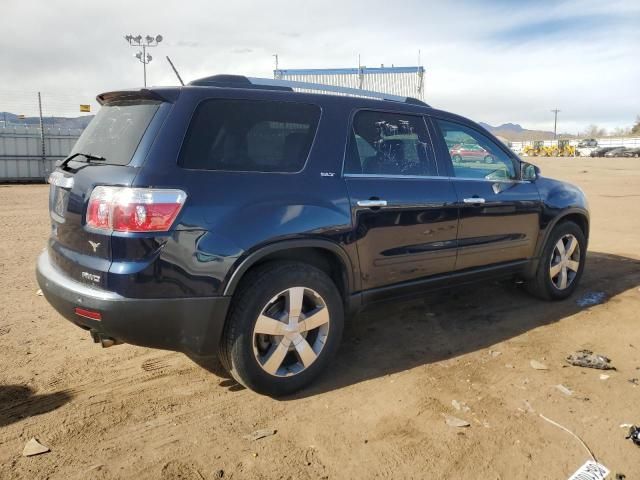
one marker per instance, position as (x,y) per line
(590,471)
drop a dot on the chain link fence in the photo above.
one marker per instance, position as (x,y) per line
(37,129)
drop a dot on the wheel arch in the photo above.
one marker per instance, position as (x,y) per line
(576,215)
(322,254)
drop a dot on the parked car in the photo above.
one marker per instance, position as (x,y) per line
(631,152)
(470,152)
(586,146)
(600,151)
(616,152)
(239,218)
(588,143)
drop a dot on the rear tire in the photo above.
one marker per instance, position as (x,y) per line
(561,263)
(283,329)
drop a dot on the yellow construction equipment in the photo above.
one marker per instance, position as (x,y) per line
(538,149)
(535,150)
(565,150)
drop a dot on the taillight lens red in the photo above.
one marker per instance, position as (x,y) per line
(124,209)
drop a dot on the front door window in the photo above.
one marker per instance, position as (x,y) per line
(474,155)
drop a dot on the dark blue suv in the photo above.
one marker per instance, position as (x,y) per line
(245,218)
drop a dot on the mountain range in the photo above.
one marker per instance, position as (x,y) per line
(516,133)
(80,123)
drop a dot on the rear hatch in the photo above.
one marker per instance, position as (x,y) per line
(109,152)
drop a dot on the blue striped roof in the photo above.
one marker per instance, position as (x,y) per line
(348,71)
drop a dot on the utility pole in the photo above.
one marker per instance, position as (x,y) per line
(44,166)
(276,73)
(555,122)
(144,43)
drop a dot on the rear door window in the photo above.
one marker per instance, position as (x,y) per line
(250,136)
(389,144)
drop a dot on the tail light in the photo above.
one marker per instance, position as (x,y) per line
(124,209)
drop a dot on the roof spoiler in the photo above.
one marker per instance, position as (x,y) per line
(162,95)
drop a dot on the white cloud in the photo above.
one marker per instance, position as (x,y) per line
(492,61)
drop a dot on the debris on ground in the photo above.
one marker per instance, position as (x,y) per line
(219,474)
(258,434)
(634,435)
(635,381)
(620,476)
(586,447)
(460,406)
(528,407)
(494,353)
(564,389)
(604,376)
(591,298)
(591,470)
(588,359)
(34,447)
(456,422)
(537,365)
(39,292)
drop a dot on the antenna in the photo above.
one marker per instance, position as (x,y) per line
(175,71)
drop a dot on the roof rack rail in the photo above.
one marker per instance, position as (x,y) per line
(239,81)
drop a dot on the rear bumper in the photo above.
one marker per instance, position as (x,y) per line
(190,325)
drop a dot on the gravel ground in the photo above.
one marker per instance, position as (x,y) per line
(379,412)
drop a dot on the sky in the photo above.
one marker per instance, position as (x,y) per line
(494,61)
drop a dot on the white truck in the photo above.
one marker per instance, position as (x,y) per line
(586,146)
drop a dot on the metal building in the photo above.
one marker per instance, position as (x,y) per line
(401,81)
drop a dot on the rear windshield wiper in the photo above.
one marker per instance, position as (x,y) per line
(90,158)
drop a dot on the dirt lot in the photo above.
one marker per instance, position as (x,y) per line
(130,412)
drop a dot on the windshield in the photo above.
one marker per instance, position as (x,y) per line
(116,130)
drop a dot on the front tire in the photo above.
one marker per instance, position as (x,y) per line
(561,263)
(284,327)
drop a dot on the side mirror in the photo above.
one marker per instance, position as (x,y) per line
(529,172)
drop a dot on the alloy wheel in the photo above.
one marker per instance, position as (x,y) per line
(565,261)
(291,331)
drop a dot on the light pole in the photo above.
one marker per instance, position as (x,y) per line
(555,122)
(144,42)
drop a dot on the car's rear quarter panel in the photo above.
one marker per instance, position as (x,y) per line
(229,215)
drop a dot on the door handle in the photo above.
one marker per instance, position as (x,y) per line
(372,203)
(473,200)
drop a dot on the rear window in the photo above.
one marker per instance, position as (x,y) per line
(116,130)
(250,136)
